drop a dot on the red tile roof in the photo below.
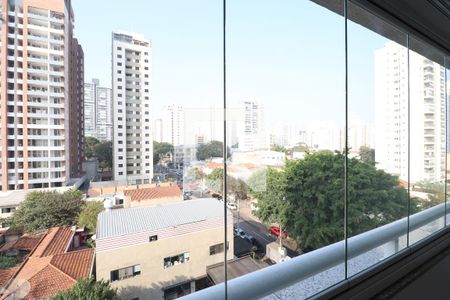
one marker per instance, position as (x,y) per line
(76,264)
(6,275)
(55,242)
(49,268)
(153,193)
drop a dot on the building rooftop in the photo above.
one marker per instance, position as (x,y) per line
(153,193)
(49,268)
(236,268)
(139,219)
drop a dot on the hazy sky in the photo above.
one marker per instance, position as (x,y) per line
(286,54)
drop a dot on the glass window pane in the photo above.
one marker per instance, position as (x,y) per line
(447,115)
(428,144)
(286,110)
(377,135)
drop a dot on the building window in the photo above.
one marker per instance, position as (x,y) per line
(124,273)
(176,260)
(216,249)
(7,210)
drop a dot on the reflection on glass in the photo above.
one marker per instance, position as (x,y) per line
(286,96)
(428,144)
(377,135)
(447,95)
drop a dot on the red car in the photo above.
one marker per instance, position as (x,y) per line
(275,230)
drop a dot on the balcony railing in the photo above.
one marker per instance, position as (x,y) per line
(283,275)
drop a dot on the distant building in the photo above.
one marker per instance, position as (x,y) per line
(162,251)
(132,141)
(152,196)
(173,130)
(264,158)
(252,132)
(422,106)
(158,130)
(98,111)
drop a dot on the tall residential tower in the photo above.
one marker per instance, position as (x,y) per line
(426,114)
(133,144)
(40,141)
(98,111)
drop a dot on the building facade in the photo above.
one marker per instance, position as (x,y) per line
(252,134)
(426,114)
(161,251)
(158,132)
(98,111)
(36,95)
(173,130)
(132,141)
(76,108)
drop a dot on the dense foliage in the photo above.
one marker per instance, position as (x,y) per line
(88,215)
(367,154)
(7,262)
(235,187)
(88,289)
(48,209)
(313,191)
(100,150)
(210,150)
(160,150)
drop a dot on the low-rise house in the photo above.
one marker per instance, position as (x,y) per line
(152,196)
(161,251)
(52,265)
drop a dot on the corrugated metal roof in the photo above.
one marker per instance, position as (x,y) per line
(125,221)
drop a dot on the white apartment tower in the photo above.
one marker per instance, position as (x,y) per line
(41,65)
(427,114)
(97,111)
(252,134)
(132,140)
(173,129)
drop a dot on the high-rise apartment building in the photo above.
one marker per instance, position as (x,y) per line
(76,108)
(38,56)
(158,132)
(132,140)
(173,131)
(98,111)
(252,134)
(426,113)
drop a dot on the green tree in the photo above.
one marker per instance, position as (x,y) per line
(7,262)
(214,181)
(88,289)
(210,150)
(278,148)
(103,151)
(90,143)
(314,191)
(160,150)
(89,213)
(367,154)
(237,188)
(48,209)
(268,186)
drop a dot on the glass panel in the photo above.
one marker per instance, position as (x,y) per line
(447,115)
(377,134)
(427,113)
(285,94)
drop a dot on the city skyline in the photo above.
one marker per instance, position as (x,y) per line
(197,71)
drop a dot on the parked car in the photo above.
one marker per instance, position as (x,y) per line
(240,232)
(275,230)
(231,205)
(217,196)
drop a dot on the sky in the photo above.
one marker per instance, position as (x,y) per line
(288,55)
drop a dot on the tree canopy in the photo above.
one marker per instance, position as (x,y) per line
(367,154)
(48,209)
(160,150)
(210,150)
(89,213)
(88,289)
(313,189)
(100,150)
